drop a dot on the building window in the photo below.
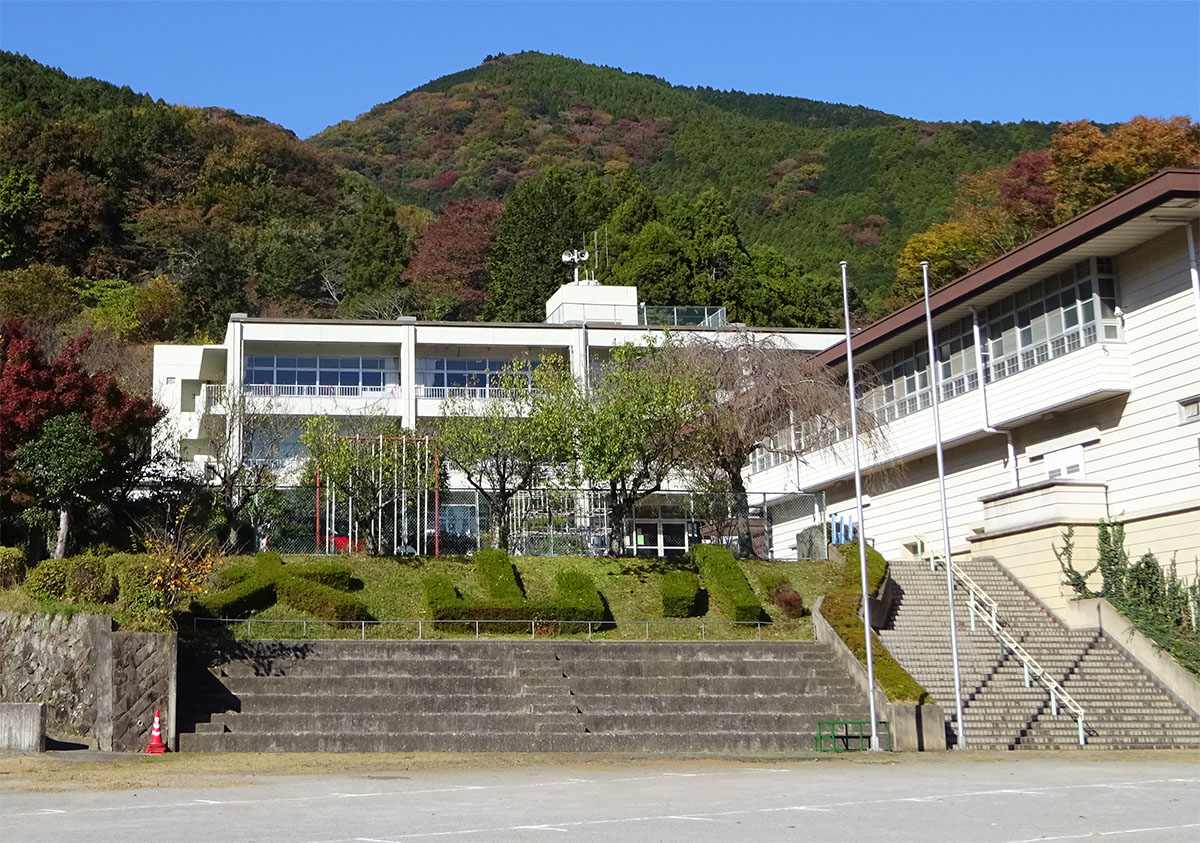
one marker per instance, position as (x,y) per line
(297,375)
(1051,318)
(773,452)
(1065,464)
(440,377)
(170,380)
(1189,410)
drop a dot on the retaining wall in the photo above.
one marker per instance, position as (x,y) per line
(96,683)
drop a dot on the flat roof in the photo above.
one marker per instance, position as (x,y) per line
(570,324)
(1135,202)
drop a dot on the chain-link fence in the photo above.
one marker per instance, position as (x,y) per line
(554,522)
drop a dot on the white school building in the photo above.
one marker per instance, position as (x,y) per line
(1083,404)
(1070,385)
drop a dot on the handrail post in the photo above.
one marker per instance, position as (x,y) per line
(1053,703)
(589,630)
(419,629)
(647,630)
(532,634)
(476,630)
(972,607)
(1079,722)
(1026,664)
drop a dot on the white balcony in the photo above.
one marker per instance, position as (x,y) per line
(1076,378)
(305,400)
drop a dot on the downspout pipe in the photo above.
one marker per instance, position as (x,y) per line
(1193,268)
(987,425)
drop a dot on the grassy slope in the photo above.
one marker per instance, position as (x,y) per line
(392,592)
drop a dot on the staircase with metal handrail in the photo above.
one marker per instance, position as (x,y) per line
(980,603)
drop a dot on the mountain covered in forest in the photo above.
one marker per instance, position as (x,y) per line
(143,221)
(820,182)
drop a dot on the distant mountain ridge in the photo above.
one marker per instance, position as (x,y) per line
(801,175)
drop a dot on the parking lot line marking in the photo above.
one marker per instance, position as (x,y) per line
(1107,833)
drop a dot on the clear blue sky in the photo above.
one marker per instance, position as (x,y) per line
(309,64)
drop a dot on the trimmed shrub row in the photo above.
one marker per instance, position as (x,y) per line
(320,600)
(318,588)
(252,594)
(12,567)
(840,610)
(726,583)
(680,594)
(499,577)
(79,579)
(577,599)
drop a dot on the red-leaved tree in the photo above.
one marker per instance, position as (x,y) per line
(34,390)
(450,267)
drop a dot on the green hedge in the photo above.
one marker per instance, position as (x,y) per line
(499,577)
(12,567)
(840,610)
(320,600)
(250,595)
(877,569)
(680,594)
(90,580)
(726,583)
(48,580)
(576,599)
(442,598)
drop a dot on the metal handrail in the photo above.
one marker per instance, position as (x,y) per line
(981,602)
(480,626)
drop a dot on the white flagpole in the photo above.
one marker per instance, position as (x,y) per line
(935,385)
(862,534)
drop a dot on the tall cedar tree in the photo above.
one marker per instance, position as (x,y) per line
(538,223)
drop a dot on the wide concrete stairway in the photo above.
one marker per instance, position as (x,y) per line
(511,696)
(1124,707)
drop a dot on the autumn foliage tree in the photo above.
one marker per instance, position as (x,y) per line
(34,390)
(999,208)
(450,267)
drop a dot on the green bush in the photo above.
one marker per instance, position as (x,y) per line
(726,583)
(90,580)
(442,598)
(499,577)
(320,600)
(576,599)
(250,595)
(48,580)
(12,567)
(840,610)
(228,575)
(680,594)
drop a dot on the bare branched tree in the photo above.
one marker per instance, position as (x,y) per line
(765,395)
(247,434)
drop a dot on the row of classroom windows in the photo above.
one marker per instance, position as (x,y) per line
(1052,317)
(369,372)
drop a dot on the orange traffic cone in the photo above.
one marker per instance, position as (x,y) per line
(156,745)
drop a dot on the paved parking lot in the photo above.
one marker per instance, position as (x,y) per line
(990,799)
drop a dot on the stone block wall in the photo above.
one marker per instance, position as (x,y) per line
(143,680)
(96,683)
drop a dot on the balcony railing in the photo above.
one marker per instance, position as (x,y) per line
(480,393)
(1041,353)
(709,317)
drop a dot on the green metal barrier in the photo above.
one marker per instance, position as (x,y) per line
(849,735)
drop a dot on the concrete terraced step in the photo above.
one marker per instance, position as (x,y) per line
(512,696)
(1124,706)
